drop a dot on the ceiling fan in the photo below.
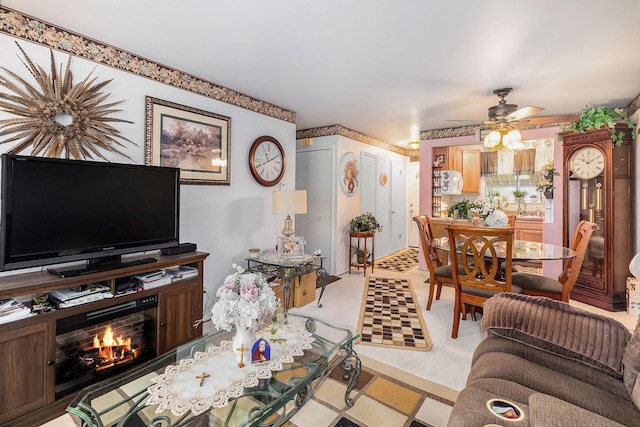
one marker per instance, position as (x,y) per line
(502,117)
(509,113)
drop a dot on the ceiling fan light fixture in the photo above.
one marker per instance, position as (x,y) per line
(492,139)
(513,140)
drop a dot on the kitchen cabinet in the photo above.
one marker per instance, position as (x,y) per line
(471,171)
(528,228)
(449,158)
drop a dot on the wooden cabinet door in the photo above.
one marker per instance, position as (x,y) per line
(27,379)
(470,171)
(178,310)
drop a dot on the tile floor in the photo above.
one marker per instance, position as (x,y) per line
(385,398)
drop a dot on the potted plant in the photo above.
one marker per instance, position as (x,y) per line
(460,210)
(359,252)
(517,194)
(364,223)
(597,117)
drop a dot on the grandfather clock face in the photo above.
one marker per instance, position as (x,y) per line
(587,163)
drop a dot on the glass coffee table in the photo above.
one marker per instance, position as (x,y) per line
(124,400)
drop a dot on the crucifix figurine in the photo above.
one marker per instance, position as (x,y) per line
(202,377)
(242,351)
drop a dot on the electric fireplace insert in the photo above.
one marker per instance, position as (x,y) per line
(95,345)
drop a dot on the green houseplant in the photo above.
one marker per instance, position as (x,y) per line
(364,223)
(359,253)
(597,117)
(461,209)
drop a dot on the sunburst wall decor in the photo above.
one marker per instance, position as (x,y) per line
(59,118)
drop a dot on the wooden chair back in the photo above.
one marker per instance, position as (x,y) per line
(580,243)
(478,265)
(424,230)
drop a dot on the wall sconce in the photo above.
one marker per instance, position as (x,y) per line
(289,202)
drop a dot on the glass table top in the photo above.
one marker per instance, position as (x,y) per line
(122,400)
(522,250)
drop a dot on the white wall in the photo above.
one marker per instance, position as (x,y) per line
(348,207)
(223,220)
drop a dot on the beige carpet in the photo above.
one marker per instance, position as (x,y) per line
(390,316)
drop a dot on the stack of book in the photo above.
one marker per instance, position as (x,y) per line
(11,310)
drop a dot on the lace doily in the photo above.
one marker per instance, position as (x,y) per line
(179,388)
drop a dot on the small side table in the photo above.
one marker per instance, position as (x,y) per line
(361,236)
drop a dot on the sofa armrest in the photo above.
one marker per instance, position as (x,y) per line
(558,328)
(547,410)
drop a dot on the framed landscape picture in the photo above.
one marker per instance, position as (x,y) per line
(196,141)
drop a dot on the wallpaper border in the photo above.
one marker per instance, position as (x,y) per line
(17,24)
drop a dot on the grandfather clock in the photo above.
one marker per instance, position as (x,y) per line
(598,188)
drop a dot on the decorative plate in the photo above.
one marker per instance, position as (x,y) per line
(349,174)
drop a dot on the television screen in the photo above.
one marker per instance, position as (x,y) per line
(56,211)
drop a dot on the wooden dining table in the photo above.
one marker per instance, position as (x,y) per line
(523,250)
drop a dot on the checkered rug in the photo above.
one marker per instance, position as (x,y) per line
(390,315)
(400,261)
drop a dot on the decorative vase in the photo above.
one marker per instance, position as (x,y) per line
(548,194)
(242,343)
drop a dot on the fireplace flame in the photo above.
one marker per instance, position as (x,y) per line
(112,348)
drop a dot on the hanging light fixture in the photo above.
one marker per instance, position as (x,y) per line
(507,138)
(414,145)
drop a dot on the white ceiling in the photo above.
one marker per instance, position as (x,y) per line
(380,67)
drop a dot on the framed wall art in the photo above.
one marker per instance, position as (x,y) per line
(196,141)
(349,174)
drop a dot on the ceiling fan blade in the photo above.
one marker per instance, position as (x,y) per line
(523,112)
(560,118)
(465,121)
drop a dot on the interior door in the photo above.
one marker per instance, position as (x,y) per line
(414,203)
(314,173)
(398,206)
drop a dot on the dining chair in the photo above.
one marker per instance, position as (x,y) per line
(478,271)
(560,289)
(439,273)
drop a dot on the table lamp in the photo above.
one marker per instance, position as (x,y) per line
(289,202)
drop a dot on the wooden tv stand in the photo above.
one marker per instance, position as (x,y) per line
(27,346)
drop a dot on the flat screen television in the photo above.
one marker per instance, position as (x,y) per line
(58,211)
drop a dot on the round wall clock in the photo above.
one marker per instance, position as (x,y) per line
(267,161)
(587,163)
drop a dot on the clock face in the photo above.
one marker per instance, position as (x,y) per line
(267,161)
(587,163)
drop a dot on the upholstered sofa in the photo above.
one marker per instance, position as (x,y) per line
(556,364)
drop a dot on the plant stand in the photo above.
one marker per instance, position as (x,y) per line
(361,236)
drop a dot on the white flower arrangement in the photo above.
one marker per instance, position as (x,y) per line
(484,207)
(497,218)
(245,300)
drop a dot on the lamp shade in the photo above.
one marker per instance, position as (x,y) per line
(289,202)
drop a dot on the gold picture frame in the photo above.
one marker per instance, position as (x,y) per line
(196,141)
